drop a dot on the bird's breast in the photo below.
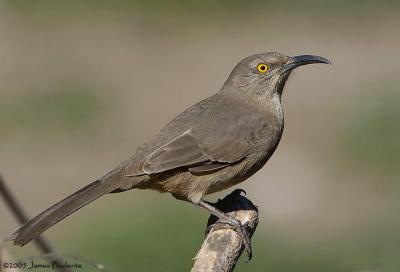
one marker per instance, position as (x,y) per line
(269,133)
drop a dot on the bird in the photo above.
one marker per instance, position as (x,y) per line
(211,146)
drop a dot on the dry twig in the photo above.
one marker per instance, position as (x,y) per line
(222,247)
(42,244)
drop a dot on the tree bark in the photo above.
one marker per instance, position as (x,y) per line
(222,247)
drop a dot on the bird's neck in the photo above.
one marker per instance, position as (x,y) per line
(274,105)
(268,104)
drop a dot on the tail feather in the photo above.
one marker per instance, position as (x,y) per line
(62,209)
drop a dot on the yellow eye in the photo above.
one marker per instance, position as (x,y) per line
(262,68)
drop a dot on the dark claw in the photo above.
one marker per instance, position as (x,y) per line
(239,192)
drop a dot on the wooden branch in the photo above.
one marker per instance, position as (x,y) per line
(43,245)
(222,247)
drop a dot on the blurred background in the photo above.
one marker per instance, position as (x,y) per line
(84,83)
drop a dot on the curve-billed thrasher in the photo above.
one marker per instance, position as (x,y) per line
(212,145)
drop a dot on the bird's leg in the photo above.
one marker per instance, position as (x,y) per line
(236,224)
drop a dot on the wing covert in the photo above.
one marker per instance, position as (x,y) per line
(187,150)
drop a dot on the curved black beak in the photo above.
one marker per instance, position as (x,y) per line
(303,60)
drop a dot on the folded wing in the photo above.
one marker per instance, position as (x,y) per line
(187,150)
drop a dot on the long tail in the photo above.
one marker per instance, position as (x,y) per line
(62,209)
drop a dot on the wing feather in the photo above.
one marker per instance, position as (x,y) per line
(187,150)
(181,151)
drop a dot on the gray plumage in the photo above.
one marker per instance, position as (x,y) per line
(214,144)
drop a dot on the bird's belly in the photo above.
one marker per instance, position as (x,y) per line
(248,167)
(236,174)
(189,186)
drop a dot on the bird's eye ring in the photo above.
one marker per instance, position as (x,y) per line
(262,68)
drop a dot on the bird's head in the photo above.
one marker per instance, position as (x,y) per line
(265,74)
